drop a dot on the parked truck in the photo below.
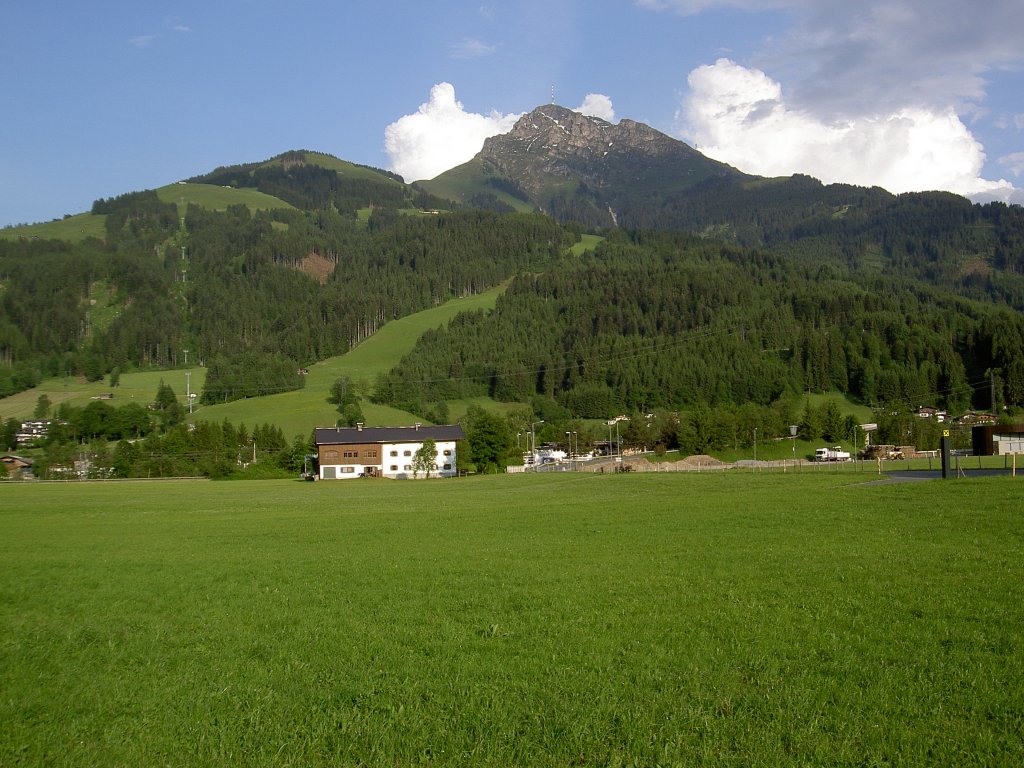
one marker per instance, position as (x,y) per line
(831,454)
(886,452)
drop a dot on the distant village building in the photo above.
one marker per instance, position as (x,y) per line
(927,412)
(974,419)
(33,432)
(349,452)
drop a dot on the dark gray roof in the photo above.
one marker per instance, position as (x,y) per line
(26,461)
(351,435)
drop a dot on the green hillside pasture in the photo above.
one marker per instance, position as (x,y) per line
(140,386)
(464,181)
(347,169)
(458,408)
(217,198)
(530,620)
(862,413)
(298,412)
(586,243)
(71,228)
(79,227)
(103,306)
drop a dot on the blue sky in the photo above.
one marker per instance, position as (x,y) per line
(105,98)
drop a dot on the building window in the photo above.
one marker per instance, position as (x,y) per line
(347,470)
(394,467)
(408,467)
(330,454)
(407,453)
(447,466)
(447,451)
(371,454)
(394,453)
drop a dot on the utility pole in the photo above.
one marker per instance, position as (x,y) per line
(188,383)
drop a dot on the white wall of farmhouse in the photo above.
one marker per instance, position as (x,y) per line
(398,458)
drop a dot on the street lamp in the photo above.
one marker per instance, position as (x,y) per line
(793,429)
(572,454)
(533,438)
(618,440)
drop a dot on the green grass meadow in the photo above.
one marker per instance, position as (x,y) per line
(586,243)
(135,386)
(530,620)
(72,228)
(217,198)
(80,226)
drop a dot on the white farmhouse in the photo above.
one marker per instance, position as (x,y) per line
(349,452)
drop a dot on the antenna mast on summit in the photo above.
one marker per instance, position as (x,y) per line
(552,95)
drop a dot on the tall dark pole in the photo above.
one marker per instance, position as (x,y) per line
(945,454)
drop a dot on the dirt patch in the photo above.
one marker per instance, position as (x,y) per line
(976,265)
(702,460)
(317,266)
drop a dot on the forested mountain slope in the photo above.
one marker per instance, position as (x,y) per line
(232,288)
(668,320)
(711,285)
(580,169)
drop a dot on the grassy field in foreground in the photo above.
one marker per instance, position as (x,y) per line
(514,620)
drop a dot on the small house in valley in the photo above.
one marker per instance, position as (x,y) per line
(349,452)
(15,467)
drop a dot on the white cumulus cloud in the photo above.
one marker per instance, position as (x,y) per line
(1015,162)
(440,135)
(738,115)
(597,105)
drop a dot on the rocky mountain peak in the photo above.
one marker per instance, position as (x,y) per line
(556,130)
(559,127)
(581,168)
(555,141)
